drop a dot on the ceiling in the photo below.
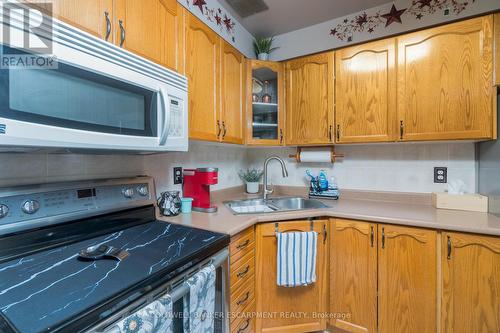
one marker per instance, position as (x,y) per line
(288,15)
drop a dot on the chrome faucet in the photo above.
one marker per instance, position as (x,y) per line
(284,171)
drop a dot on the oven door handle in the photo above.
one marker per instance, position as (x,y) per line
(165,110)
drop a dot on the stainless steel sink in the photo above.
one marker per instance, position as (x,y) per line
(258,206)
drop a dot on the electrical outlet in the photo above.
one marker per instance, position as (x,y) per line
(446,12)
(178,175)
(440,175)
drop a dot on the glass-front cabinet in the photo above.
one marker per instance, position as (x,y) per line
(265,116)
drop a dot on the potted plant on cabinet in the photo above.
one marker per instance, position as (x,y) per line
(252,178)
(263,47)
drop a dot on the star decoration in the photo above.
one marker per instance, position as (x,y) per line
(361,19)
(200,4)
(393,16)
(218,19)
(419,16)
(424,3)
(370,30)
(333,32)
(228,23)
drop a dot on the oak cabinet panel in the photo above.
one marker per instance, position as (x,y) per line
(353,275)
(407,279)
(233,94)
(203,73)
(497,48)
(471,283)
(271,298)
(309,100)
(88,15)
(365,91)
(445,82)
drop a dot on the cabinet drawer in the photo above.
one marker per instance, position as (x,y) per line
(241,244)
(246,323)
(243,296)
(242,271)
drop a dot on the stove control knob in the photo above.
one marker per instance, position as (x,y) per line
(4,210)
(128,192)
(143,190)
(30,206)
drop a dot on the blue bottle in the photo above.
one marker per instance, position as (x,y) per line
(323,180)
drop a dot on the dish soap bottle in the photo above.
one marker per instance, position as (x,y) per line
(323,180)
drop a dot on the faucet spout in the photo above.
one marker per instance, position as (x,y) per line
(284,172)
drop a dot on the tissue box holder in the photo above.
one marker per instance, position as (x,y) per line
(467,202)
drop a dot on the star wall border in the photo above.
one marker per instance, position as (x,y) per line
(216,15)
(363,22)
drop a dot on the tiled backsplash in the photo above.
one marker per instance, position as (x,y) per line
(389,167)
(383,167)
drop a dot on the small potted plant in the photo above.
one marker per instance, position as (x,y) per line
(252,179)
(263,47)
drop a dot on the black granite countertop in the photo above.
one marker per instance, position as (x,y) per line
(40,291)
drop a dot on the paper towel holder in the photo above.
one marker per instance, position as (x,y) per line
(333,155)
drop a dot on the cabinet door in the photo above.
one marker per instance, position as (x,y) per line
(233,94)
(265,106)
(309,96)
(497,48)
(365,90)
(407,278)
(88,15)
(445,82)
(308,300)
(471,283)
(203,73)
(149,28)
(353,275)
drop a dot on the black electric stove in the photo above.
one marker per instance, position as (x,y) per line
(45,286)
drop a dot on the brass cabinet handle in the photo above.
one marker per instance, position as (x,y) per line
(281,136)
(243,328)
(383,238)
(243,245)
(243,272)
(449,248)
(224,128)
(122,33)
(219,129)
(244,299)
(338,132)
(372,236)
(330,133)
(108,26)
(401,129)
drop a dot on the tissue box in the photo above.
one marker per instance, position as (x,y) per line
(469,202)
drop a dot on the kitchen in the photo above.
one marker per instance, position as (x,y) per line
(181,157)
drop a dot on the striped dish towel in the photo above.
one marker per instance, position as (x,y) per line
(296,258)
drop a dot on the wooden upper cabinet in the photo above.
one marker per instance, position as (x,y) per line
(471,283)
(365,91)
(353,275)
(233,94)
(309,300)
(265,103)
(309,99)
(203,73)
(149,28)
(497,48)
(407,279)
(88,15)
(445,82)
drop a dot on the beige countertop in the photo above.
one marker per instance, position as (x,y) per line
(393,208)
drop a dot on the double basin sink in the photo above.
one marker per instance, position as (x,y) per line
(255,206)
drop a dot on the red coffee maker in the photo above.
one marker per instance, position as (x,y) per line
(196,184)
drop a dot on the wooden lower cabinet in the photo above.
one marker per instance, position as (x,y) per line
(353,275)
(470,284)
(407,279)
(304,303)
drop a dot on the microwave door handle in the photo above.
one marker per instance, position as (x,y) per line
(165,109)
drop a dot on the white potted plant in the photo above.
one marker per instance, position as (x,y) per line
(252,179)
(263,47)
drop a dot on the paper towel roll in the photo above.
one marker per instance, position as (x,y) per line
(318,156)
